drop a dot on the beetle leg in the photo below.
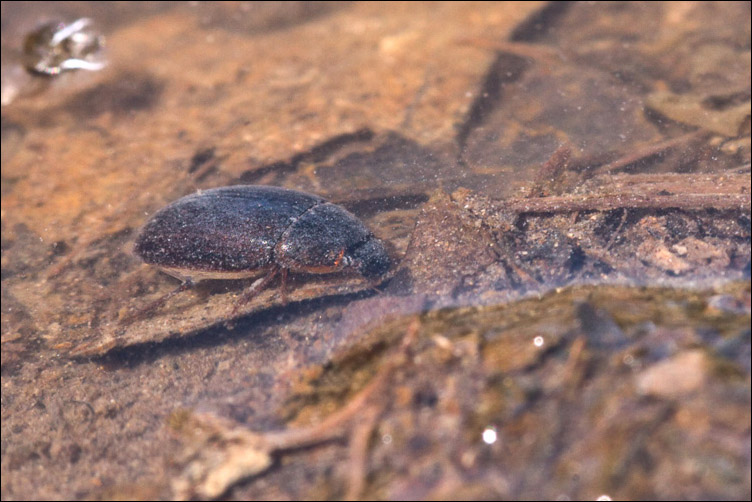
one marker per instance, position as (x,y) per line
(254,290)
(187,284)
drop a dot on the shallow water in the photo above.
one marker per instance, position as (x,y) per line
(564,191)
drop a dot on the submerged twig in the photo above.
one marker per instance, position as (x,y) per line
(221,452)
(651,150)
(608,202)
(550,172)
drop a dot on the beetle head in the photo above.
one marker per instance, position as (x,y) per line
(370,258)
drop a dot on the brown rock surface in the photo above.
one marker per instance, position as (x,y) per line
(565,192)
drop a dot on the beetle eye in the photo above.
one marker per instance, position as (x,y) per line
(371,259)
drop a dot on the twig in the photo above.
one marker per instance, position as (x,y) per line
(220,452)
(650,150)
(608,202)
(358,469)
(550,172)
(622,220)
(330,427)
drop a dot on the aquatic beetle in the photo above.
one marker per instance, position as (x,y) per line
(245,231)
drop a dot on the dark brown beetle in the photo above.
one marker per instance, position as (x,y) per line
(249,230)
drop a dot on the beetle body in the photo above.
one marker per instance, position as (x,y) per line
(248,230)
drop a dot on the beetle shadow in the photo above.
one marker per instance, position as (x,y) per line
(281,285)
(253,327)
(253,323)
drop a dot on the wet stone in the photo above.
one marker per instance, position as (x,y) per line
(564,191)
